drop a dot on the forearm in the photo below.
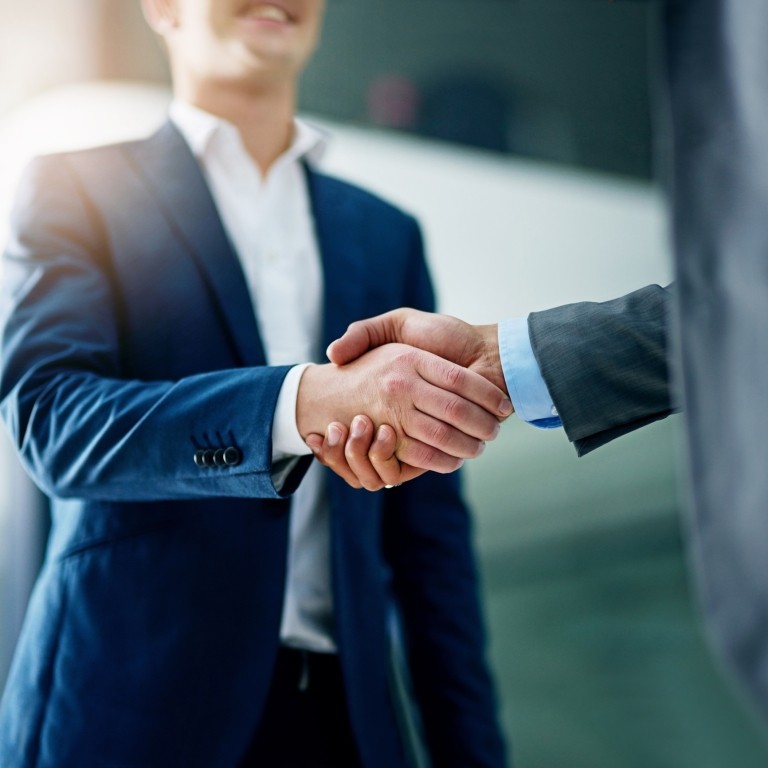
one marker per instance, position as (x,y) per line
(605,364)
(87,436)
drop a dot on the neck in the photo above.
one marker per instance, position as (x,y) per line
(262,114)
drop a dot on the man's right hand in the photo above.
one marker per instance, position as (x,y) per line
(440,412)
(472,346)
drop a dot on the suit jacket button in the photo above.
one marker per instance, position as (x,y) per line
(200,458)
(232,456)
(209,458)
(218,458)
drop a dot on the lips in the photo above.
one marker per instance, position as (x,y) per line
(267,12)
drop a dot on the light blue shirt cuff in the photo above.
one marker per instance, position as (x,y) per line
(525,384)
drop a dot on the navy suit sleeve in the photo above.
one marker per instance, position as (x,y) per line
(428,543)
(83,430)
(605,365)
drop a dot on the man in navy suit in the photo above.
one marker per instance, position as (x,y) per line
(208,598)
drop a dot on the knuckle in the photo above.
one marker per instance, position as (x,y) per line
(440,434)
(455,409)
(448,465)
(490,428)
(430,458)
(426,456)
(380,455)
(394,384)
(377,456)
(454,375)
(407,360)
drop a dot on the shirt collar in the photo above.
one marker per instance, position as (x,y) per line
(199,128)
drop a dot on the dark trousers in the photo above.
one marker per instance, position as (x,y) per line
(306,721)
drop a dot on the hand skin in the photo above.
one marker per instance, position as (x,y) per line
(368,460)
(363,455)
(440,412)
(472,346)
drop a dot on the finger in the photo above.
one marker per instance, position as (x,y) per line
(448,421)
(356,454)
(385,462)
(470,387)
(364,335)
(422,456)
(382,455)
(445,437)
(331,452)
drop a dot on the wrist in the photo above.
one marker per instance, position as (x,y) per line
(312,414)
(286,439)
(489,361)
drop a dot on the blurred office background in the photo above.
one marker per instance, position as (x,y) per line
(526,135)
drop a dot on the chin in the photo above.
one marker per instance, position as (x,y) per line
(274,60)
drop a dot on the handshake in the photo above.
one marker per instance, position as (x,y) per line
(406,392)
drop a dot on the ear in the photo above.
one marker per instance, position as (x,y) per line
(161,15)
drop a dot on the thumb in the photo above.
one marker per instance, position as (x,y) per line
(361,337)
(350,346)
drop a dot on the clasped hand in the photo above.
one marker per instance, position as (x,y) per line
(406,392)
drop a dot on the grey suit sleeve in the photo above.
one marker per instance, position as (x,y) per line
(605,364)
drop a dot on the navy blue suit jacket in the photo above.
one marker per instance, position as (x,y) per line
(129,343)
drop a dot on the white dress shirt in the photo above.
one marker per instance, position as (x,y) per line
(269,222)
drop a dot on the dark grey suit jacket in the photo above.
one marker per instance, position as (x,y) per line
(717,67)
(605,364)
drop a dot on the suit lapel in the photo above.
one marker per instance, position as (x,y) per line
(176,182)
(337,225)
